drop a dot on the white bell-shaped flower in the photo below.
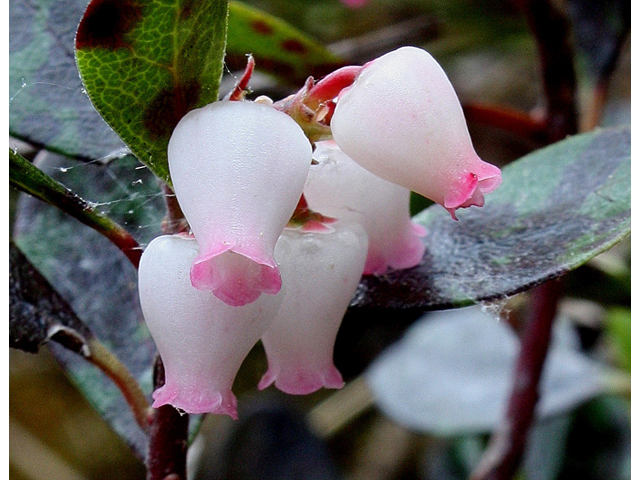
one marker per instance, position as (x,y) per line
(401,120)
(320,271)
(339,187)
(202,340)
(238,169)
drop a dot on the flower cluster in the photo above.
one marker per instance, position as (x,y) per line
(256,265)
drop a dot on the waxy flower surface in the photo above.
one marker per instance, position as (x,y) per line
(339,187)
(402,120)
(238,169)
(202,340)
(320,272)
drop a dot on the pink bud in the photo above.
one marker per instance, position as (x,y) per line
(237,169)
(339,187)
(202,341)
(401,120)
(320,272)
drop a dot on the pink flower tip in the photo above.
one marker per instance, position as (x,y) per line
(302,380)
(234,278)
(195,400)
(469,188)
(402,120)
(408,256)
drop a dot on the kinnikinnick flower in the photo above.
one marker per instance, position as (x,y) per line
(238,169)
(339,187)
(320,272)
(202,340)
(401,120)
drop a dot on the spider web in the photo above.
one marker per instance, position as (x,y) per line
(93,275)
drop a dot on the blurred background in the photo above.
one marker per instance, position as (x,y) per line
(375,427)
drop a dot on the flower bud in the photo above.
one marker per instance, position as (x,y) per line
(402,121)
(338,187)
(237,169)
(202,341)
(320,271)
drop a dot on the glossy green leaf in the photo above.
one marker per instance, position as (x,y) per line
(278,48)
(47,104)
(556,209)
(145,64)
(38,314)
(96,280)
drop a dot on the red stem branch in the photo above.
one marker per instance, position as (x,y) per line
(167,456)
(551,30)
(507,119)
(174,222)
(552,33)
(506,448)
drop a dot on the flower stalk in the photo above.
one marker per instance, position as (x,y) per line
(101,357)
(168,443)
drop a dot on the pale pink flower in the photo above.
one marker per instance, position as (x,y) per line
(339,187)
(402,120)
(202,341)
(320,272)
(237,169)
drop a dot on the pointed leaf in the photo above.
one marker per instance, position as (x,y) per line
(47,104)
(147,63)
(38,314)
(556,209)
(278,48)
(93,276)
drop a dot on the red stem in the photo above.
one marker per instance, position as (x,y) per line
(174,222)
(505,451)
(552,32)
(520,123)
(167,457)
(127,244)
(239,90)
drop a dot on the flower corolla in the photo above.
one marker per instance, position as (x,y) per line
(401,120)
(202,340)
(339,187)
(238,169)
(320,271)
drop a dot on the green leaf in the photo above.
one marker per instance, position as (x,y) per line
(93,277)
(23,175)
(278,48)
(47,104)
(556,209)
(38,314)
(145,64)
(98,283)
